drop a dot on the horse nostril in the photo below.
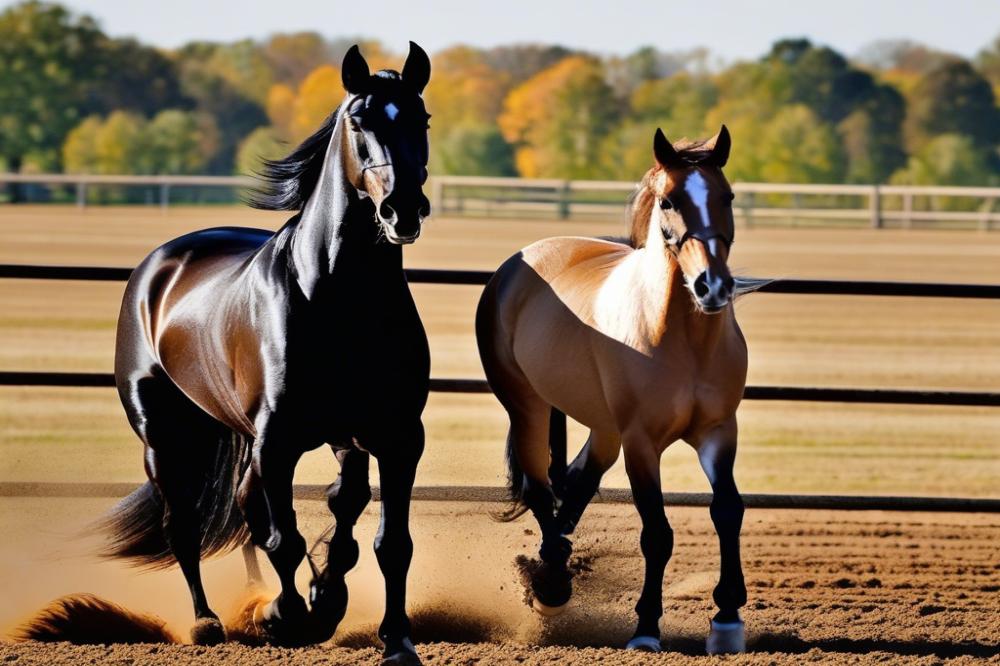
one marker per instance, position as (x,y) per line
(701,285)
(386,212)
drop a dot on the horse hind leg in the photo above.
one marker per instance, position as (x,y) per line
(528,447)
(583,477)
(179,437)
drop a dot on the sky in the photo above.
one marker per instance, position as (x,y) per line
(731,29)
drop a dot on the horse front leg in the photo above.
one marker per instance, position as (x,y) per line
(347,498)
(642,463)
(273,466)
(397,466)
(717,454)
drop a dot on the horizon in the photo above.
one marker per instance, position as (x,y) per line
(596,28)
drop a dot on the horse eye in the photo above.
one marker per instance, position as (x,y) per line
(665,204)
(363,151)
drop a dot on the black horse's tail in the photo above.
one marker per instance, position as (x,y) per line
(557,469)
(135,525)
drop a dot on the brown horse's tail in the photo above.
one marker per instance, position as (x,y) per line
(557,469)
(135,525)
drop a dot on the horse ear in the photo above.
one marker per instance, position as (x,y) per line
(664,151)
(354,72)
(720,151)
(417,68)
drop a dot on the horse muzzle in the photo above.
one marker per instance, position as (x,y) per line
(713,292)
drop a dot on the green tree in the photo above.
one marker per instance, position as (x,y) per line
(953,99)
(47,64)
(472,150)
(218,90)
(948,159)
(180,142)
(260,145)
(79,152)
(988,62)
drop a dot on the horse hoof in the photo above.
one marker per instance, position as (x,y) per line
(406,655)
(547,611)
(726,638)
(208,631)
(327,607)
(286,628)
(645,644)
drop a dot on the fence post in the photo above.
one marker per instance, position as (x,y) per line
(564,195)
(987,210)
(437,195)
(81,195)
(907,209)
(748,203)
(875,207)
(164,196)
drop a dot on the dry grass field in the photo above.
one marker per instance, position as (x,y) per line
(794,340)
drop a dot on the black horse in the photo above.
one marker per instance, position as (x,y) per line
(239,350)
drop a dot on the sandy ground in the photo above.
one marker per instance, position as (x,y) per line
(808,341)
(824,586)
(834,587)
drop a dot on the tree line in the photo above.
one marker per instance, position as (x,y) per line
(74,99)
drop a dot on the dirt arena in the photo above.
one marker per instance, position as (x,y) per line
(830,587)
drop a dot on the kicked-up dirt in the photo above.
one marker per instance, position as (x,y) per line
(824,587)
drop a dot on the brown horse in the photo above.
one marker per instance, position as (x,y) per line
(639,343)
(240,349)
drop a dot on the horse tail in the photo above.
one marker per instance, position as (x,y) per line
(515,475)
(135,526)
(84,619)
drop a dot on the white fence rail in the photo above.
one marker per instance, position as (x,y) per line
(756,203)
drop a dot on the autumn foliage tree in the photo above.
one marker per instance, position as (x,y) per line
(558,119)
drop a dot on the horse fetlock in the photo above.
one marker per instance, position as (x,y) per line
(552,585)
(343,556)
(555,549)
(327,605)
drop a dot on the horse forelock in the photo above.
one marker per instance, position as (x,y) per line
(641,202)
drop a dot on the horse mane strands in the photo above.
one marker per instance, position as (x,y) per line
(288,182)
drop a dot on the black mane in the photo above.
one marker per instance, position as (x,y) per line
(287,183)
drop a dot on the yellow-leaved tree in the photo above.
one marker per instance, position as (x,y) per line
(558,119)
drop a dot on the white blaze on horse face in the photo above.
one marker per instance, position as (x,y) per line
(697,191)
(391,110)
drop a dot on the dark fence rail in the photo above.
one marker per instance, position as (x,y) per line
(444,276)
(488,494)
(79,490)
(773,393)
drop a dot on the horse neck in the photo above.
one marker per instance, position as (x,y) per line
(337,233)
(666,300)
